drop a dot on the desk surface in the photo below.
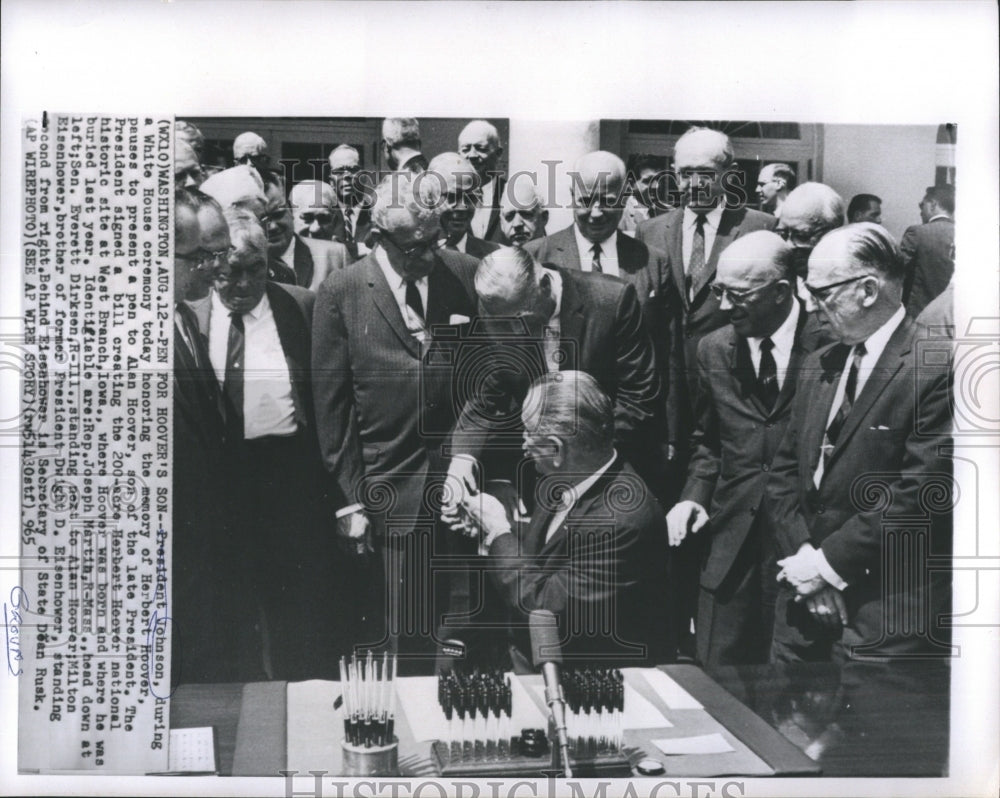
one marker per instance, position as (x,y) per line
(857,721)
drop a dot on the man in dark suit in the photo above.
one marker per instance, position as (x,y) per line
(260,349)
(211,621)
(351,217)
(928,249)
(594,551)
(693,237)
(382,412)
(865,549)
(479,143)
(746,373)
(551,319)
(458,181)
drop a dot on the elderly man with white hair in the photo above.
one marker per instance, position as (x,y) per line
(259,344)
(458,181)
(479,143)
(311,257)
(383,411)
(810,211)
(522,215)
(401,145)
(249,148)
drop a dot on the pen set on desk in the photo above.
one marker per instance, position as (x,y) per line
(477,707)
(595,709)
(369,689)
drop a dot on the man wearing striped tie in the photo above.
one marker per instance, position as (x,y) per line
(860,491)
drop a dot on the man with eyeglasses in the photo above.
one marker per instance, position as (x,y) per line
(458,181)
(384,405)
(259,344)
(212,251)
(860,488)
(811,211)
(351,207)
(747,373)
(714,214)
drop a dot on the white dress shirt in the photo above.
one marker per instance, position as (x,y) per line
(481,218)
(609,253)
(268,406)
(874,347)
(711,229)
(572,495)
(397,284)
(783,339)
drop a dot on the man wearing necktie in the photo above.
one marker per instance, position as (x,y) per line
(213,631)
(746,373)
(860,491)
(479,143)
(351,213)
(384,404)
(458,180)
(594,551)
(712,216)
(259,343)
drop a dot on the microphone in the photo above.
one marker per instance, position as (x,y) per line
(545,652)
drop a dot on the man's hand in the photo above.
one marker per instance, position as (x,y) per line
(354,532)
(801,571)
(685,517)
(460,485)
(487,514)
(827,606)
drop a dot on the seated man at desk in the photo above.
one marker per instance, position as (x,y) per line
(594,551)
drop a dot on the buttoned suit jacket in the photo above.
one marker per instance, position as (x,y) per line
(315,259)
(606,563)
(692,318)
(735,439)
(927,258)
(602,333)
(382,412)
(887,486)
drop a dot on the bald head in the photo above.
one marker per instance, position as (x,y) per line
(511,283)
(756,282)
(759,255)
(311,202)
(458,180)
(598,179)
(479,142)
(811,209)
(240,186)
(702,158)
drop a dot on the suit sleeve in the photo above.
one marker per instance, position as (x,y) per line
(924,477)
(705,464)
(333,395)
(781,494)
(592,573)
(908,252)
(638,379)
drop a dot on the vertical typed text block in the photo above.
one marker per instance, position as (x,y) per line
(94,663)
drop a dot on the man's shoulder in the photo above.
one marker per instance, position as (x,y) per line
(716,343)
(604,290)
(458,262)
(651,228)
(748,219)
(540,246)
(321,248)
(351,279)
(303,297)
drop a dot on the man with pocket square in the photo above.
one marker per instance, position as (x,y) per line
(860,490)
(382,413)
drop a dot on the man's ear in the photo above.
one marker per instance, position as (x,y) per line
(543,219)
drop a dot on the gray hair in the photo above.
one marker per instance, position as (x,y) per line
(506,281)
(185,131)
(818,203)
(311,194)
(871,245)
(407,200)
(725,145)
(398,131)
(571,406)
(247,237)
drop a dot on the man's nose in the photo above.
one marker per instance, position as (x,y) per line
(810,303)
(724,303)
(314,227)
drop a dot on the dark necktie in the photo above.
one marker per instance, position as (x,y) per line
(348,232)
(232,388)
(595,264)
(413,299)
(767,376)
(696,265)
(833,431)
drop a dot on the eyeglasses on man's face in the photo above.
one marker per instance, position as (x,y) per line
(414,251)
(822,293)
(740,298)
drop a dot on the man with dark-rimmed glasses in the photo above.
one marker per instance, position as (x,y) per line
(746,373)
(811,211)
(864,566)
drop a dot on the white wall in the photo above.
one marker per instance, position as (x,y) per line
(895,162)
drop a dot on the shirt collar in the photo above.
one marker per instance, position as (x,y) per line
(939,216)
(784,336)
(712,218)
(876,342)
(396,281)
(609,246)
(572,495)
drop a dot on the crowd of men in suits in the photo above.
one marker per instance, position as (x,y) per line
(406,416)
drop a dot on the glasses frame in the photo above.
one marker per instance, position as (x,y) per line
(415,251)
(822,293)
(741,299)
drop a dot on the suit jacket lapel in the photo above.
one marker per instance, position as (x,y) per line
(572,319)
(386,303)
(832,361)
(675,246)
(801,345)
(445,295)
(632,260)
(882,374)
(303,263)
(294,338)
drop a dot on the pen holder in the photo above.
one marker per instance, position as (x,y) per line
(376,760)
